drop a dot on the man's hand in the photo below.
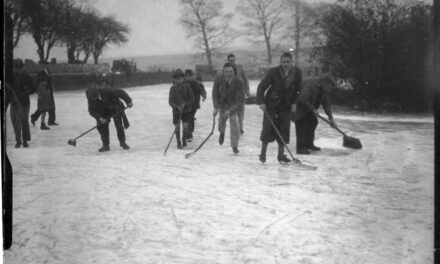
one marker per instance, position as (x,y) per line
(315,112)
(181,107)
(226,113)
(263,107)
(102,120)
(130,105)
(293,108)
(215,111)
(203,98)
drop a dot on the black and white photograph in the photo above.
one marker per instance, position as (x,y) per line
(220,131)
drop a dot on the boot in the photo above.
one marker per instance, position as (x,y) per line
(235,150)
(33,120)
(303,152)
(17,145)
(314,148)
(44,127)
(179,143)
(53,124)
(25,144)
(283,159)
(184,137)
(262,156)
(124,145)
(104,148)
(221,139)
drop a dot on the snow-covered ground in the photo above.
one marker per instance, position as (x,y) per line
(75,205)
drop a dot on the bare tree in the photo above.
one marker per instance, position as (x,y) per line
(19,21)
(302,23)
(107,31)
(46,20)
(204,21)
(263,19)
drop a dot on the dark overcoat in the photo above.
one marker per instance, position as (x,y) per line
(198,91)
(278,92)
(181,95)
(311,97)
(110,102)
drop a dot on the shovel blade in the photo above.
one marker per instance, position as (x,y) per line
(351,142)
(71,142)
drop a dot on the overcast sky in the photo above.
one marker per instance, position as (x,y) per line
(154,25)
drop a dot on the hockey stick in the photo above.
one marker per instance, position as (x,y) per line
(296,161)
(73,141)
(172,135)
(204,141)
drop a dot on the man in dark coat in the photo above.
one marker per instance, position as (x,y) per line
(23,86)
(198,91)
(276,96)
(181,99)
(45,75)
(227,96)
(314,93)
(238,69)
(104,104)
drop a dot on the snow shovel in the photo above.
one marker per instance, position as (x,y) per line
(73,141)
(204,141)
(296,161)
(348,142)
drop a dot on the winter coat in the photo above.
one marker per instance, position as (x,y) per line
(45,75)
(240,73)
(181,95)
(311,97)
(106,102)
(198,91)
(228,97)
(23,87)
(277,91)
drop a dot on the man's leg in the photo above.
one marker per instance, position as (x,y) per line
(35,116)
(234,127)
(176,122)
(16,122)
(283,125)
(25,125)
(241,117)
(52,117)
(186,120)
(311,127)
(222,126)
(117,119)
(301,136)
(105,137)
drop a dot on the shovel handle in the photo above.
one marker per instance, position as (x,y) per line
(326,120)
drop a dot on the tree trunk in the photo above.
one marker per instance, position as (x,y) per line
(297,32)
(95,58)
(269,51)
(70,53)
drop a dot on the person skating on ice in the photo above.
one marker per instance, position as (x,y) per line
(276,96)
(105,104)
(181,99)
(199,92)
(227,97)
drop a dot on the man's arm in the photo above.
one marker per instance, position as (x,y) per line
(215,91)
(263,86)
(239,98)
(121,94)
(245,79)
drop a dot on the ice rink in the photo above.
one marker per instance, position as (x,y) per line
(76,205)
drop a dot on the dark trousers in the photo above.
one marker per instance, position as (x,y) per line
(105,134)
(191,122)
(282,122)
(20,121)
(305,131)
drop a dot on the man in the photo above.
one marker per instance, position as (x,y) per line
(227,96)
(23,86)
(181,99)
(104,104)
(314,94)
(47,76)
(276,97)
(198,91)
(238,69)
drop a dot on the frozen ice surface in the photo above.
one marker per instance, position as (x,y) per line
(76,205)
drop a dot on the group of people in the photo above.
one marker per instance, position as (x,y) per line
(17,95)
(282,95)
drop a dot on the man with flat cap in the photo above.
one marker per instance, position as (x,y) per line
(314,93)
(105,104)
